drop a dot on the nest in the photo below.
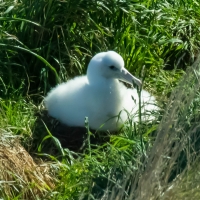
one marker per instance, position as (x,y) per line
(19,174)
(72,138)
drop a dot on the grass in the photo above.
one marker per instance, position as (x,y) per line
(43,43)
(19,172)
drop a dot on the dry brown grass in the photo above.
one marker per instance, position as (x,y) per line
(186,187)
(177,140)
(20,175)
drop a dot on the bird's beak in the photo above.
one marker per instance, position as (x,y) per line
(127,77)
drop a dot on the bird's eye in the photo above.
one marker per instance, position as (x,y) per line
(113,67)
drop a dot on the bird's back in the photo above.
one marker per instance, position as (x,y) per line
(65,102)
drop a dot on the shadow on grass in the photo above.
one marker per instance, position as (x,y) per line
(73,138)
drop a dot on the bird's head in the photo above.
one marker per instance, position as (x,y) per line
(109,65)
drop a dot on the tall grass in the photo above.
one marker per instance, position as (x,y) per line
(40,38)
(43,43)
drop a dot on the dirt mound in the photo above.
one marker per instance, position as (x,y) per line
(19,174)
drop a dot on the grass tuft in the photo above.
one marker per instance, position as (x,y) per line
(21,177)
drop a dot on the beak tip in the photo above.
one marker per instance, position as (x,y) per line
(137,82)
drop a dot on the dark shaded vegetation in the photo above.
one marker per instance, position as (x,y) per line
(40,38)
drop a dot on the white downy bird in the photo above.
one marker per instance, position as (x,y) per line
(99,95)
